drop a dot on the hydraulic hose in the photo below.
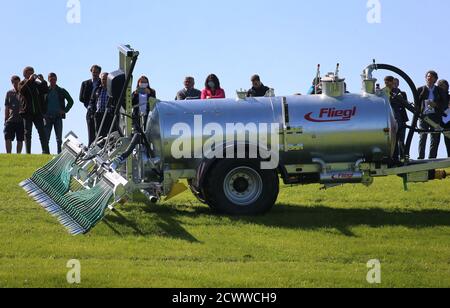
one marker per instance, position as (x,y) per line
(134,142)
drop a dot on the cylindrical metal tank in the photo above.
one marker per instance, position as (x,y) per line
(342,129)
(334,129)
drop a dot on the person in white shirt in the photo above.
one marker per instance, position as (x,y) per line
(434,104)
(141,102)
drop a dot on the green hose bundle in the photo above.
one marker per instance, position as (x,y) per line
(78,211)
(55,176)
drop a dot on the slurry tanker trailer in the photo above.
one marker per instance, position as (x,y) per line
(231,152)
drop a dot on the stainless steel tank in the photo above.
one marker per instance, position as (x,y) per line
(333,129)
(342,129)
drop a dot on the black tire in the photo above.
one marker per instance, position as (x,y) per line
(250,190)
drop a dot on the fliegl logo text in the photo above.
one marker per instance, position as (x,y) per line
(326,115)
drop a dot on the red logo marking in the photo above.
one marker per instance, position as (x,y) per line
(332,115)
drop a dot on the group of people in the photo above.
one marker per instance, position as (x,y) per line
(434,98)
(44,104)
(93,95)
(34,101)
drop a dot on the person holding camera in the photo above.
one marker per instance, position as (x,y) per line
(32,91)
(433,106)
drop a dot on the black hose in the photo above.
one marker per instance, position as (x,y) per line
(138,138)
(134,142)
(416,109)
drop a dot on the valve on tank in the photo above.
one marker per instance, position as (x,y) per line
(369,83)
(332,85)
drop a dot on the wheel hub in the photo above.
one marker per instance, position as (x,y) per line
(243,186)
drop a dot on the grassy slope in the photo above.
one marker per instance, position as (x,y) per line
(312,238)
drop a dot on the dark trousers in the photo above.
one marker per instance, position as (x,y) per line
(447,140)
(435,138)
(38,122)
(401,135)
(55,122)
(106,126)
(90,121)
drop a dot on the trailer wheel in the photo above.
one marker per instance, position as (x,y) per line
(240,187)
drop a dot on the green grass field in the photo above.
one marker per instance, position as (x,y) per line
(312,238)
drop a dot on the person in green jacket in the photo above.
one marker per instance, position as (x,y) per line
(56,109)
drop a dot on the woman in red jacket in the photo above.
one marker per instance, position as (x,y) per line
(212,88)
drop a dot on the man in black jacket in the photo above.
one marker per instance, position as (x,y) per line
(32,91)
(397,100)
(258,89)
(433,105)
(397,86)
(189,92)
(88,87)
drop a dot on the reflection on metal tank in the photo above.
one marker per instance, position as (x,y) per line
(334,129)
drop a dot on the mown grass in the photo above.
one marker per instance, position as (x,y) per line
(312,238)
